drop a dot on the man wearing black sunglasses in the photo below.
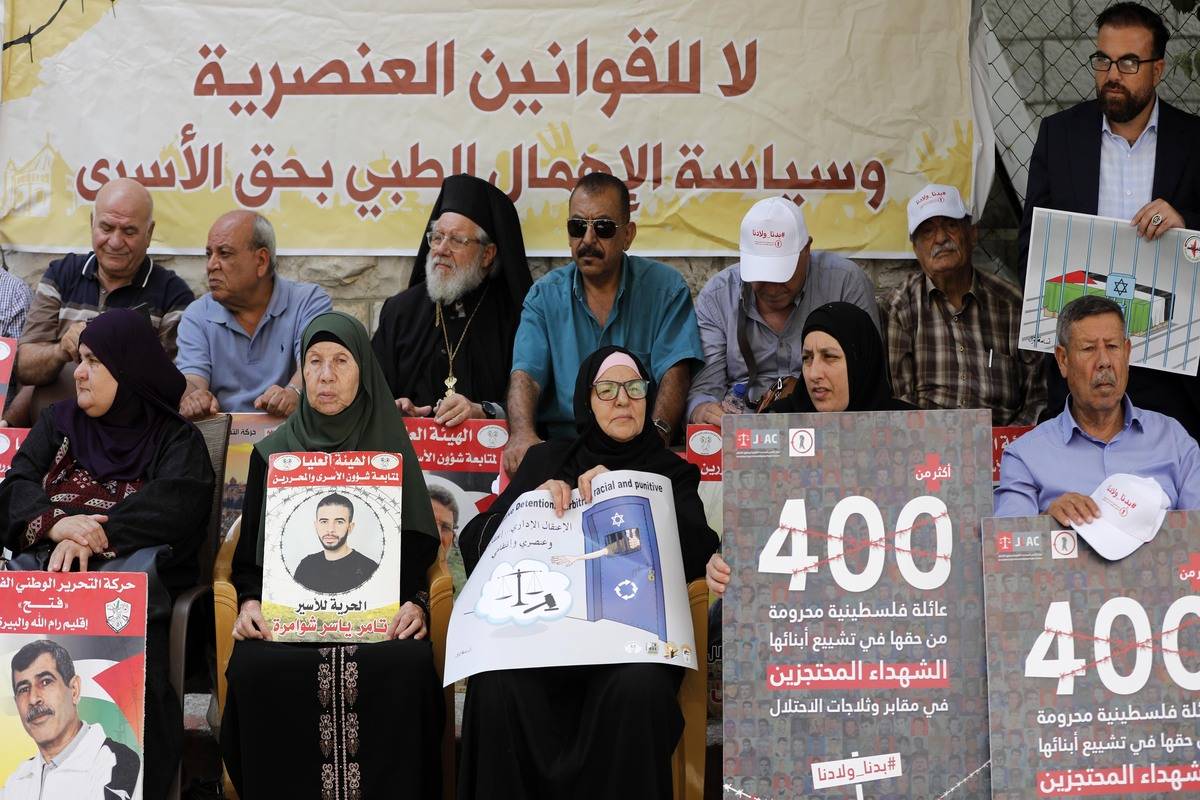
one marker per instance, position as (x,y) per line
(603,297)
(1127,154)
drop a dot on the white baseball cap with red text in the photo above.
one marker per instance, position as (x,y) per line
(1132,510)
(935,200)
(773,236)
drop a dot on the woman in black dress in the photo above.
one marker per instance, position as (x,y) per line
(347,722)
(589,731)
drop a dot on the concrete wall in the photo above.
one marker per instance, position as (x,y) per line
(360,284)
(1047,43)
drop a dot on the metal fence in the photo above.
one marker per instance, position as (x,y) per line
(1037,54)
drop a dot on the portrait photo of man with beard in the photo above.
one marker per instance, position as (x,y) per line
(336,567)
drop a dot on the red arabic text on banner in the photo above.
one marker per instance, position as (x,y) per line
(474,446)
(704,450)
(1002,437)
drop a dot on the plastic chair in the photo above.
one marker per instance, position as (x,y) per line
(215,430)
(441,599)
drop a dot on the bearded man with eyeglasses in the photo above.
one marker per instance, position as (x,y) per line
(603,297)
(1130,155)
(446,342)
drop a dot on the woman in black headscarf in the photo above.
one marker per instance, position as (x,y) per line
(844,365)
(844,368)
(590,731)
(338,721)
(112,471)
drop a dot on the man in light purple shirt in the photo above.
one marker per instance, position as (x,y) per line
(1053,468)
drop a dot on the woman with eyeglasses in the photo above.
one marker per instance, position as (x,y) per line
(585,731)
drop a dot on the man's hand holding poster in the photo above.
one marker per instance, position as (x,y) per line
(1093,665)
(853,637)
(331,565)
(72,651)
(603,584)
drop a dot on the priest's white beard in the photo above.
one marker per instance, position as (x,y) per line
(448,287)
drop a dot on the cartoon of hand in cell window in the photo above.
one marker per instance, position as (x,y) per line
(619,543)
(622,565)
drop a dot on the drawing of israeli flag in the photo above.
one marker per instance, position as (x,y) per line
(1120,286)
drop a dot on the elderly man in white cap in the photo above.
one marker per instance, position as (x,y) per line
(951,330)
(751,314)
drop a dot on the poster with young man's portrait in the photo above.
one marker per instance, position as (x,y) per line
(73,655)
(331,561)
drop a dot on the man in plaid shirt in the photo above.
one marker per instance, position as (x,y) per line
(951,330)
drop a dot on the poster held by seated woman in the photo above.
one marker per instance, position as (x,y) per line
(332,560)
(589,731)
(339,720)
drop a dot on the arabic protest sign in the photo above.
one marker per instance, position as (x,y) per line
(331,565)
(1093,665)
(474,446)
(1002,437)
(72,650)
(234,89)
(1155,283)
(602,585)
(704,450)
(853,625)
(245,431)
(461,465)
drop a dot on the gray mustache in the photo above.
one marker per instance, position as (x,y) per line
(37,712)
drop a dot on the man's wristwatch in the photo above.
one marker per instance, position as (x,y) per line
(663,428)
(491,410)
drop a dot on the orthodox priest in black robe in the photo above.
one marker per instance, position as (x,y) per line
(446,342)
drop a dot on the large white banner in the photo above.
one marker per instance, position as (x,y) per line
(340,120)
(603,584)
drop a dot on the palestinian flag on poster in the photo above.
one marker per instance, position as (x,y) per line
(1146,308)
(85,635)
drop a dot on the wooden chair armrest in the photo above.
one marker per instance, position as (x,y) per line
(688,763)
(223,566)
(225,611)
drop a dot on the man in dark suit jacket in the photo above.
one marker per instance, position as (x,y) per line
(1134,127)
